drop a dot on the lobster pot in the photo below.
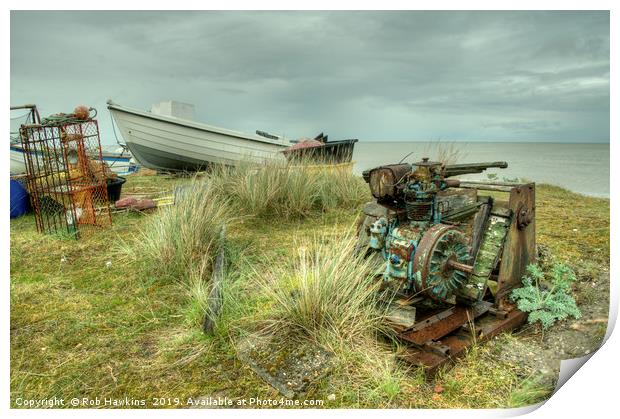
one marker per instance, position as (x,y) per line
(66,177)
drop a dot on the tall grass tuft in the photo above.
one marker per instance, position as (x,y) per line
(184,237)
(200,291)
(329,295)
(276,189)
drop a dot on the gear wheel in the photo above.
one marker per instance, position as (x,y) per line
(434,274)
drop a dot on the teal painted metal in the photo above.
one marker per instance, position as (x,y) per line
(423,255)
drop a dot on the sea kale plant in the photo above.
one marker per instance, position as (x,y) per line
(547,304)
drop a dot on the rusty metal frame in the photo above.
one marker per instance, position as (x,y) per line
(520,245)
(434,354)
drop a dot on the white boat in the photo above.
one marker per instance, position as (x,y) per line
(167,142)
(18,164)
(119,162)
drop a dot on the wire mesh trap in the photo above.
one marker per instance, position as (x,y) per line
(66,176)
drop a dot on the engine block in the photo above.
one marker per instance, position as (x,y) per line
(449,256)
(443,250)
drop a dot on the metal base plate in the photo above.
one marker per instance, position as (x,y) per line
(456,335)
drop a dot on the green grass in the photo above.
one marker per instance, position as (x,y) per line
(575,227)
(278,190)
(82,329)
(327,294)
(181,240)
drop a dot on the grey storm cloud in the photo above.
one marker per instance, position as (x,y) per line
(499,76)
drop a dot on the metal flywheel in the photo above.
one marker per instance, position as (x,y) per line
(440,263)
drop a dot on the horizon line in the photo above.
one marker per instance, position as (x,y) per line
(490,141)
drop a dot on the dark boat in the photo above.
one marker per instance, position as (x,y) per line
(321,151)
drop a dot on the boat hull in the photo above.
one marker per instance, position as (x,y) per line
(333,152)
(119,164)
(173,144)
(18,164)
(159,160)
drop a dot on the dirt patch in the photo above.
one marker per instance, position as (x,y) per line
(288,369)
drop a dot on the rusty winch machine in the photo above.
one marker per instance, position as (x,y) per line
(450,252)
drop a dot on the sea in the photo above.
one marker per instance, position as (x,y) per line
(579,167)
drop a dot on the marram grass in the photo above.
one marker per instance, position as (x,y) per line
(180,238)
(328,295)
(277,189)
(184,237)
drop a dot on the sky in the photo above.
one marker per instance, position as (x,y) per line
(376,76)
